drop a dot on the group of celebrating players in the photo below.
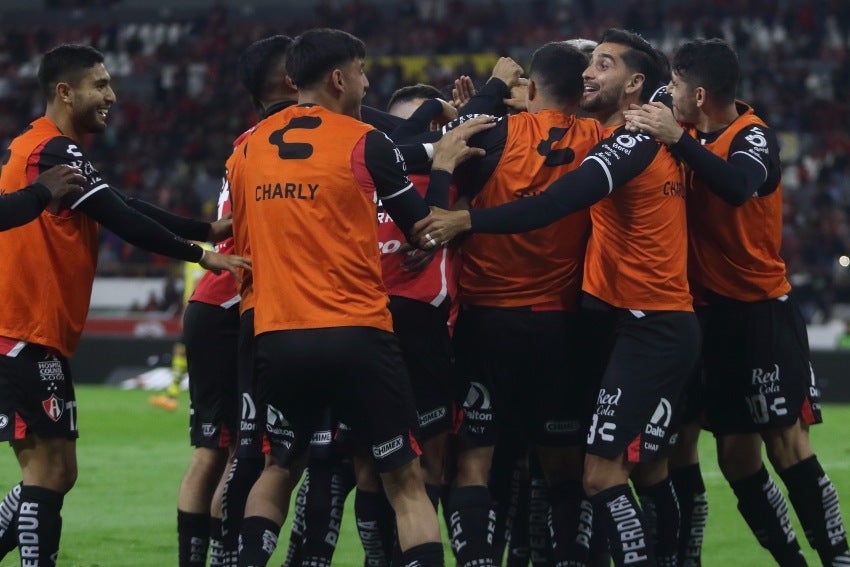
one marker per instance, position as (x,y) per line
(556,274)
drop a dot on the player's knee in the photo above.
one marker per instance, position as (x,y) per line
(787,446)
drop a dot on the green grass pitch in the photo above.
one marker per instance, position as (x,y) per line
(122,512)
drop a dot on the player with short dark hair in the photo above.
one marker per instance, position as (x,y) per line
(518,297)
(308,179)
(55,256)
(760,386)
(635,299)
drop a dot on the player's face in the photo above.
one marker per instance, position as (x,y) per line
(684,99)
(92,98)
(605,79)
(356,84)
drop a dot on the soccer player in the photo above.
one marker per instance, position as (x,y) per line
(518,297)
(640,333)
(760,384)
(24,205)
(309,178)
(262,71)
(46,296)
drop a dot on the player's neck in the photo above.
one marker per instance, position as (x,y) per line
(611,117)
(713,119)
(63,122)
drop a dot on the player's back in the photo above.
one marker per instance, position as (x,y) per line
(311,213)
(542,265)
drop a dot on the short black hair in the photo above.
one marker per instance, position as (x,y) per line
(316,52)
(256,61)
(411,92)
(641,57)
(558,66)
(66,63)
(710,64)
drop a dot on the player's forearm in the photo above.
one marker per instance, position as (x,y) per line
(723,178)
(23,206)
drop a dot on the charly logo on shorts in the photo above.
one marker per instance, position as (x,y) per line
(53,407)
(432,416)
(50,370)
(208,429)
(391,446)
(4,421)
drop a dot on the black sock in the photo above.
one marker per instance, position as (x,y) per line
(661,516)
(472,526)
(816,502)
(423,555)
(8,520)
(693,508)
(571,525)
(599,554)
(370,512)
(193,535)
(763,507)
(296,535)
(39,525)
(244,471)
(619,512)
(257,541)
(323,514)
(218,556)
(516,522)
(539,544)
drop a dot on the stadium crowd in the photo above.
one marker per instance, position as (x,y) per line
(179,100)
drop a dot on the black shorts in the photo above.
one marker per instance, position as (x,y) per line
(426,346)
(36,395)
(518,366)
(356,371)
(758,373)
(210,335)
(253,410)
(692,405)
(652,355)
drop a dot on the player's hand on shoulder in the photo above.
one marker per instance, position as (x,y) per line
(215,262)
(452,149)
(62,179)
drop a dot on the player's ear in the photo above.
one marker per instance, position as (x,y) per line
(700,95)
(635,83)
(532,89)
(63,91)
(338,80)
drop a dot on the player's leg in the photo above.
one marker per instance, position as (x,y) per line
(633,424)
(38,403)
(210,335)
(743,399)
(248,461)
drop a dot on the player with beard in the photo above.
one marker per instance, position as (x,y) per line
(636,299)
(55,256)
(760,388)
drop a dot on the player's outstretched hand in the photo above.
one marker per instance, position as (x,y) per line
(438,228)
(61,179)
(463,90)
(215,262)
(452,149)
(507,70)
